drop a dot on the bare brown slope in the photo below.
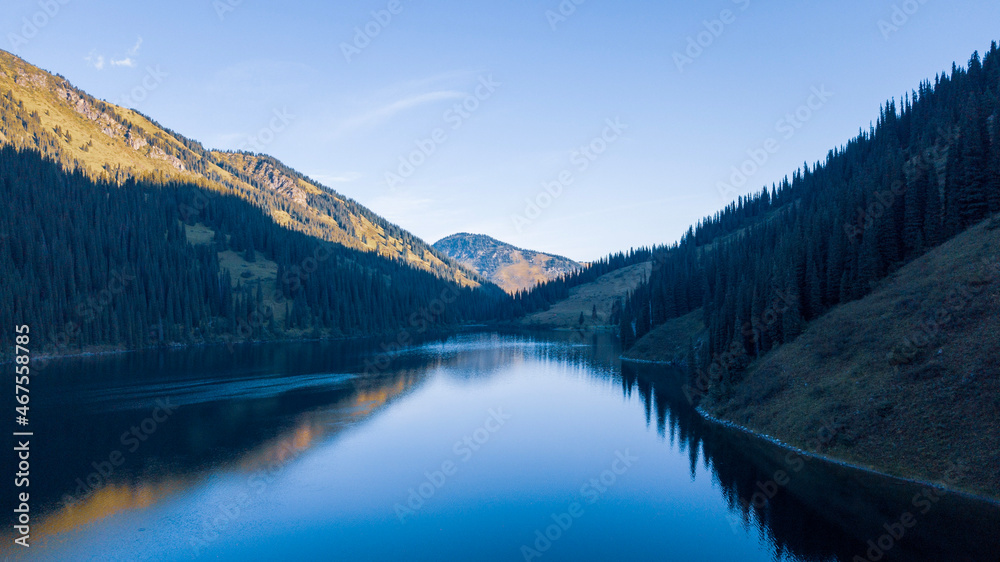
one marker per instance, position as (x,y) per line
(909,372)
(513,269)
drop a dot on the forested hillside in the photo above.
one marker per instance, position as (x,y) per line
(769,263)
(44,112)
(90,263)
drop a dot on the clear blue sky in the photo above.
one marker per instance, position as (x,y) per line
(231,65)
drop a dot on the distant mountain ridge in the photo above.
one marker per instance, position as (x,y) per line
(511,268)
(44,112)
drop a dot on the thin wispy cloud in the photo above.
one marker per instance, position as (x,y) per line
(401,205)
(135,48)
(440,81)
(328,179)
(627,207)
(95,60)
(384,113)
(225,141)
(129,60)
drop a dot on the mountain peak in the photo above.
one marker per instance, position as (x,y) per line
(508,266)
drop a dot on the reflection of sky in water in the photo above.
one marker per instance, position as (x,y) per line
(313,465)
(266,458)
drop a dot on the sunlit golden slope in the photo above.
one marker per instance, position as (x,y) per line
(512,269)
(45,112)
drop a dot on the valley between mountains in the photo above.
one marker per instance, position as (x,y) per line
(862,293)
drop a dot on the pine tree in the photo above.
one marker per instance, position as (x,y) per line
(972,170)
(915,210)
(934,218)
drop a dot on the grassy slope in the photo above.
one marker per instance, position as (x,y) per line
(103,137)
(243,272)
(902,413)
(603,292)
(363,232)
(669,342)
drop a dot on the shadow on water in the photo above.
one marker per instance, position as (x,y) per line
(100,447)
(812,508)
(99,450)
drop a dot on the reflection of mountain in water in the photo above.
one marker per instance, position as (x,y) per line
(246,412)
(482,355)
(824,509)
(258,408)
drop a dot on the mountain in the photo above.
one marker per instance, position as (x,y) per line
(44,112)
(770,263)
(116,233)
(512,269)
(909,371)
(857,300)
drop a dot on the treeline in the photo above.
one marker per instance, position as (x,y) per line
(341,209)
(768,263)
(542,296)
(88,263)
(113,140)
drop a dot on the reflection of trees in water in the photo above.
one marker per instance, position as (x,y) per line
(210,431)
(825,511)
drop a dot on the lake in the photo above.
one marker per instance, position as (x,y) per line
(479,446)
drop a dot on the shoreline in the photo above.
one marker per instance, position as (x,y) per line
(706,416)
(647,361)
(98,351)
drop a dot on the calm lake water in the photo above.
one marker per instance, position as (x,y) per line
(471,447)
